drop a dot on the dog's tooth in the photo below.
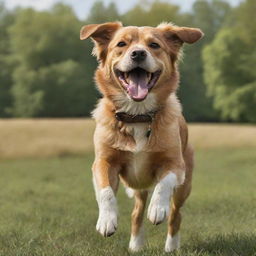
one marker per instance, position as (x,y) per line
(126,77)
(150,76)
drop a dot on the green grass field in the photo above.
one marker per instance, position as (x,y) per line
(48,208)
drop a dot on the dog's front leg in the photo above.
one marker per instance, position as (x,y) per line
(105,178)
(159,207)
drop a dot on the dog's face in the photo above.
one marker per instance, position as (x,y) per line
(138,59)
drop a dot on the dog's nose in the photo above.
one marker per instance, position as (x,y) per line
(138,55)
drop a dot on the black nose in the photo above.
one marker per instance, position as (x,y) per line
(138,55)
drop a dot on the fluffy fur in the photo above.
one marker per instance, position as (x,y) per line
(164,161)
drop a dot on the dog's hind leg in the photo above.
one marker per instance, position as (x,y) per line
(180,195)
(137,232)
(106,180)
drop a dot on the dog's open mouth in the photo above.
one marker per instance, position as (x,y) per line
(138,82)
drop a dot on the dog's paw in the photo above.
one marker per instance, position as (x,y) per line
(159,206)
(158,210)
(135,246)
(172,243)
(137,241)
(107,223)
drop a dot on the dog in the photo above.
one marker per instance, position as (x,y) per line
(141,137)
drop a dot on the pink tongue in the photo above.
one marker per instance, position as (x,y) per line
(137,87)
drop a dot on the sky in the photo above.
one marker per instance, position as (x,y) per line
(82,7)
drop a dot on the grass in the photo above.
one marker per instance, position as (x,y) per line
(48,208)
(21,138)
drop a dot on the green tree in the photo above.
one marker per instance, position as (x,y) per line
(229,62)
(45,70)
(52,76)
(154,13)
(100,13)
(6,67)
(209,16)
(57,90)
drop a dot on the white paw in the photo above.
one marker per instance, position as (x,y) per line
(159,206)
(172,243)
(137,242)
(158,210)
(107,223)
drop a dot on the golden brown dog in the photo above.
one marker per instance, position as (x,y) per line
(141,136)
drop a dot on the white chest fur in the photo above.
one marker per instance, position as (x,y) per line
(135,108)
(137,166)
(139,134)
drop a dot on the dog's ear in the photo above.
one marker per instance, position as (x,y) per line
(101,35)
(179,35)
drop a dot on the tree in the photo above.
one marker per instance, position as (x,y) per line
(45,70)
(6,67)
(52,76)
(228,62)
(100,13)
(208,16)
(57,90)
(155,13)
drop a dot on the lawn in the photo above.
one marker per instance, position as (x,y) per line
(48,208)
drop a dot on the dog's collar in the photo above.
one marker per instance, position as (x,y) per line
(142,118)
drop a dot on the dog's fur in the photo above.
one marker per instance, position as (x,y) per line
(163,161)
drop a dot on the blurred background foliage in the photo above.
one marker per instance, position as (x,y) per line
(46,71)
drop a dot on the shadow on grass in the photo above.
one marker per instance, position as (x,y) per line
(234,244)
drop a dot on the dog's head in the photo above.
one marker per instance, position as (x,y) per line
(137,60)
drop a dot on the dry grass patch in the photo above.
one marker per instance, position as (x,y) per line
(45,137)
(59,137)
(222,135)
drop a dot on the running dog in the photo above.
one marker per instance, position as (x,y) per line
(141,137)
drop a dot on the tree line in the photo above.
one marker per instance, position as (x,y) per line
(46,71)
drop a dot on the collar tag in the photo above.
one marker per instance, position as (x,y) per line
(148,132)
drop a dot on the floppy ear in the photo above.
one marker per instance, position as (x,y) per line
(101,35)
(188,35)
(180,35)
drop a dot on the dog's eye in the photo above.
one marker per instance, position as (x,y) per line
(154,45)
(121,44)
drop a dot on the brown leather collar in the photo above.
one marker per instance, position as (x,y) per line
(126,118)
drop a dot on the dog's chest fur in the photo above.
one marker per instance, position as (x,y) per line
(139,132)
(139,158)
(138,162)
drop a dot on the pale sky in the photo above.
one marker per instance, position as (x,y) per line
(82,7)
